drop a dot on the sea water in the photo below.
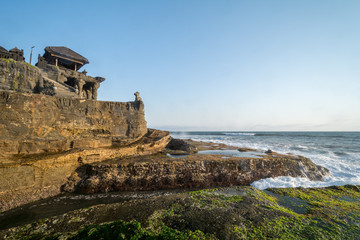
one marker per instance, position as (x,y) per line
(337,151)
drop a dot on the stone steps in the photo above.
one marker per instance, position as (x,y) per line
(62,90)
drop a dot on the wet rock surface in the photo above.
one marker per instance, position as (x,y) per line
(224,213)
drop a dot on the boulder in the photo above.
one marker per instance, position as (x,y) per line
(179,145)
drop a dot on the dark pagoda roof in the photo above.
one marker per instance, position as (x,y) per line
(3,49)
(15,49)
(66,53)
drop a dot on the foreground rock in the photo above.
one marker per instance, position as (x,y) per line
(225,213)
(26,178)
(192,171)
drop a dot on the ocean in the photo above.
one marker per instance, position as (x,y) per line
(337,151)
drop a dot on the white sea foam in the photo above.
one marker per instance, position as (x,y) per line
(239,134)
(283,182)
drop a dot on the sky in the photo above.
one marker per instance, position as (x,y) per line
(237,65)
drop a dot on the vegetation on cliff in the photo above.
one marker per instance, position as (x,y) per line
(224,213)
(18,76)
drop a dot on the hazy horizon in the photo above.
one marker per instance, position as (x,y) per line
(249,65)
(179,129)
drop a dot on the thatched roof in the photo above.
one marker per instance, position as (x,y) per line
(66,53)
(3,50)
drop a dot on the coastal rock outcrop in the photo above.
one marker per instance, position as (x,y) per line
(74,143)
(27,178)
(193,171)
(51,123)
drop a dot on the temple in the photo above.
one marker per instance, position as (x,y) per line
(15,54)
(64,57)
(61,64)
(56,73)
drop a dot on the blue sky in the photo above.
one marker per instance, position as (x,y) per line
(209,65)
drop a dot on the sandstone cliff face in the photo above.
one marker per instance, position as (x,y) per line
(194,171)
(34,123)
(44,139)
(24,179)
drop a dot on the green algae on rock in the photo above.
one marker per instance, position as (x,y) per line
(224,213)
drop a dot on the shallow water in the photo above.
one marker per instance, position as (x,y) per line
(233,153)
(337,151)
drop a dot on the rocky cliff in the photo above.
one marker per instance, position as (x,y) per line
(44,139)
(36,123)
(26,178)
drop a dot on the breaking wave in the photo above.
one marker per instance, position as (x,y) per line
(239,134)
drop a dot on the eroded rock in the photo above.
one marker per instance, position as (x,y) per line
(34,123)
(27,178)
(193,171)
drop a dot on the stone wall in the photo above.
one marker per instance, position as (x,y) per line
(36,123)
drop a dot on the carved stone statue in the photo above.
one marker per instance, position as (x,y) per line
(94,89)
(79,83)
(137,97)
(88,94)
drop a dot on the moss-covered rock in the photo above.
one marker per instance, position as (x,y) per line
(225,213)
